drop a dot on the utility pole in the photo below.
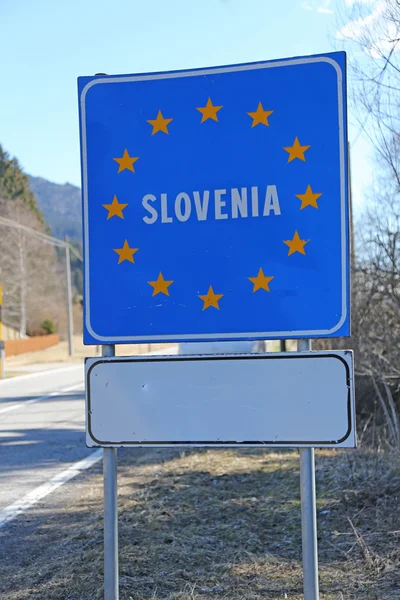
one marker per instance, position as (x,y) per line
(69,298)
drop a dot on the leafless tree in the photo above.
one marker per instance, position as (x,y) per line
(370,31)
(28,271)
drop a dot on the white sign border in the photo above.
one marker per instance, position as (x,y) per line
(215,336)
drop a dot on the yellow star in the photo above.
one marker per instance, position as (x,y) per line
(260,115)
(115,208)
(211,299)
(160,286)
(261,282)
(308,198)
(209,112)
(126,162)
(296,151)
(126,253)
(159,124)
(296,244)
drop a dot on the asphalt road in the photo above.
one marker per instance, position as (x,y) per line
(42,424)
(42,432)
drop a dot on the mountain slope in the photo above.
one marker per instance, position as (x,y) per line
(60,205)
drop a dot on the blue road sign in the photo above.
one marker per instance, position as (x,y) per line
(215,203)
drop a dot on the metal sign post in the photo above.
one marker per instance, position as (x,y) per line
(126,406)
(110,514)
(308,512)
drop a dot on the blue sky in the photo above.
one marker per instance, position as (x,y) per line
(46,45)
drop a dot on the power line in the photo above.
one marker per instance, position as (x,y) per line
(44,237)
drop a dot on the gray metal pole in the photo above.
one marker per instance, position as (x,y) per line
(110,514)
(69,298)
(308,512)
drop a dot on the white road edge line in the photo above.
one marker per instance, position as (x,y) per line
(34,400)
(20,506)
(168,350)
(39,373)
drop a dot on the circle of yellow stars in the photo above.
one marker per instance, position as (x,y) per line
(210,111)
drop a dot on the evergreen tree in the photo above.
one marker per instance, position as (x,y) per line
(14,184)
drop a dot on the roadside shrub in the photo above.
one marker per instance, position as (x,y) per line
(48,326)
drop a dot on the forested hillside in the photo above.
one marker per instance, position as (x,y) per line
(60,205)
(31,272)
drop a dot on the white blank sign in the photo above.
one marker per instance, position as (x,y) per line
(299,399)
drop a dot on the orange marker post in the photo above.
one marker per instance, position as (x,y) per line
(2,356)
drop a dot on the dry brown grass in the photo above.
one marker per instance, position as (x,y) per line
(218,524)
